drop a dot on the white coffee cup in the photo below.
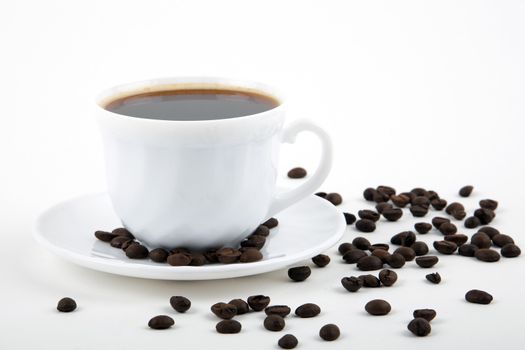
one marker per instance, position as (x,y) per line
(199,183)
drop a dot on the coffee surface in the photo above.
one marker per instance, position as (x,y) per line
(195,104)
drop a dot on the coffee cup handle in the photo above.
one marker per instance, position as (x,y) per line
(283,200)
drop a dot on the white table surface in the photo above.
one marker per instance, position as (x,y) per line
(414,93)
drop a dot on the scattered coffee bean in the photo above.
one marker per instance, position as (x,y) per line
(161,322)
(393,214)
(396,261)
(180,303)
(288,341)
(448,228)
(241,305)
(228,327)
(422,227)
(420,248)
(380,197)
(381,246)
(472,222)
(345,248)
(510,250)
(378,307)
(361,243)
(401,200)
(369,263)
(489,230)
(382,206)
(418,211)
(105,236)
(459,239)
(500,240)
(405,238)
(353,256)
(274,323)
(280,310)
(308,310)
(179,259)
(481,240)
(299,273)
(297,173)
(370,281)
(487,255)
(118,241)
(349,218)
(126,244)
(477,296)
(427,314)
(454,207)
(321,194)
(387,277)
(488,204)
(365,225)
(66,305)
(250,255)
(438,203)
(334,198)
(226,255)
(271,223)
(121,231)
(381,254)
(137,251)
(258,302)
(352,284)
(467,249)
(329,332)
(485,216)
(433,278)
(427,261)
(438,221)
(407,252)
(158,255)
(421,201)
(261,230)
(321,260)
(445,247)
(368,193)
(389,191)
(465,191)
(223,310)
(368,214)
(420,327)
(418,191)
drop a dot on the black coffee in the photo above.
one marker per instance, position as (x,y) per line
(192,104)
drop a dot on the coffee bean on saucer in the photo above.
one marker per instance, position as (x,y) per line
(161,322)
(158,255)
(400,200)
(396,261)
(241,305)
(368,214)
(438,221)
(250,255)
(228,327)
(467,249)
(365,225)
(258,302)
(329,332)
(118,241)
(299,273)
(349,218)
(345,247)
(378,307)
(361,243)
(271,223)
(510,250)
(321,194)
(288,341)
(180,250)
(137,251)
(427,261)
(448,228)
(387,277)
(66,305)
(481,240)
(334,198)
(487,255)
(180,304)
(433,278)
(445,247)
(211,256)
(297,173)
(261,230)
(500,240)
(472,222)
(380,207)
(227,255)
(368,193)
(308,310)
(223,310)
(274,323)
(197,259)
(370,281)
(369,263)
(321,260)
(459,239)
(407,252)
(105,236)
(121,231)
(352,284)
(254,241)
(420,248)
(179,259)
(420,327)
(438,203)
(281,310)
(353,256)
(477,296)
(126,244)
(488,204)
(490,231)
(393,214)
(465,191)
(405,238)
(418,211)
(485,216)
(427,314)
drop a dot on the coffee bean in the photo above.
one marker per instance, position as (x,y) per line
(378,307)
(448,228)
(445,247)
(501,240)
(321,260)
(308,310)
(380,246)
(390,191)
(433,278)
(161,322)
(258,302)
(261,230)
(405,238)
(352,284)
(407,252)
(158,255)
(489,230)
(487,255)
(118,241)
(104,236)
(381,254)
(361,243)
(421,201)
(380,197)
(345,248)
(427,314)
(510,250)
(387,277)
(241,306)
(228,327)
(227,255)
(438,221)
(329,332)
(427,261)
(459,215)
(334,198)
(66,305)
(368,193)
(420,327)
(368,214)
(393,214)
(211,256)
(121,231)
(431,195)
(418,191)
(349,218)
(180,303)
(420,248)
(369,263)
(467,249)
(180,250)
(438,203)
(321,194)
(454,207)
(288,341)
(488,204)
(274,323)
(459,239)
(250,255)
(365,225)
(252,241)
(299,273)
(137,251)
(485,216)
(271,223)
(179,259)
(477,296)
(396,261)
(370,281)
(418,211)
(382,206)
(401,200)
(481,240)
(472,222)
(197,259)
(126,244)
(422,227)
(281,310)
(353,256)
(297,173)
(223,310)
(465,191)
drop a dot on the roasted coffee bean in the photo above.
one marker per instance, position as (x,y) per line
(353,256)
(421,201)
(459,239)
(387,277)
(158,255)
(223,310)
(481,240)
(488,204)
(321,194)
(297,173)
(345,248)
(472,222)
(501,240)
(381,254)
(382,246)
(227,255)
(431,195)
(126,244)
(445,247)
(274,323)
(161,322)
(477,296)
(396,261)
(433,278)
(361,243)
(352,284)
(380,197)
(261,230)
(137,251)
(180,303)
(422,227)
(438,221)
(105,236)
(438,203)
(349,218)
(281,310)
(448,228)
(427,261)
(490,231)
(390,191)
(368,214)
(228,327)
(308,310)
(401,200)
(179,259)
(252,241)
(329,332)
(487,255)
(378,307)
(258,302)
(420,327)
(369,263)
(418,211)
(407,252)
(405,238)
(467,249)
(118,241)
(241,305)
(382,206)
(454,207)
(321,260)
(409,195)
(365,225)
(370,281)
(121,231)
(465,191)
(510,250)
(180,250)
(393,214)
(288,341)
(368,193)
(271,223)
(459,215)
(427,314)
(418,191)
(420,248)
(485,216)
(66,305)
(250,255)
(334,198)
(299,273)
(211,255)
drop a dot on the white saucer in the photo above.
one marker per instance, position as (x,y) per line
(66,229)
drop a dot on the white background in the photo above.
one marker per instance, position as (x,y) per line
(414,93)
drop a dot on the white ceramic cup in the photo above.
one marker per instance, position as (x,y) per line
(199,183)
